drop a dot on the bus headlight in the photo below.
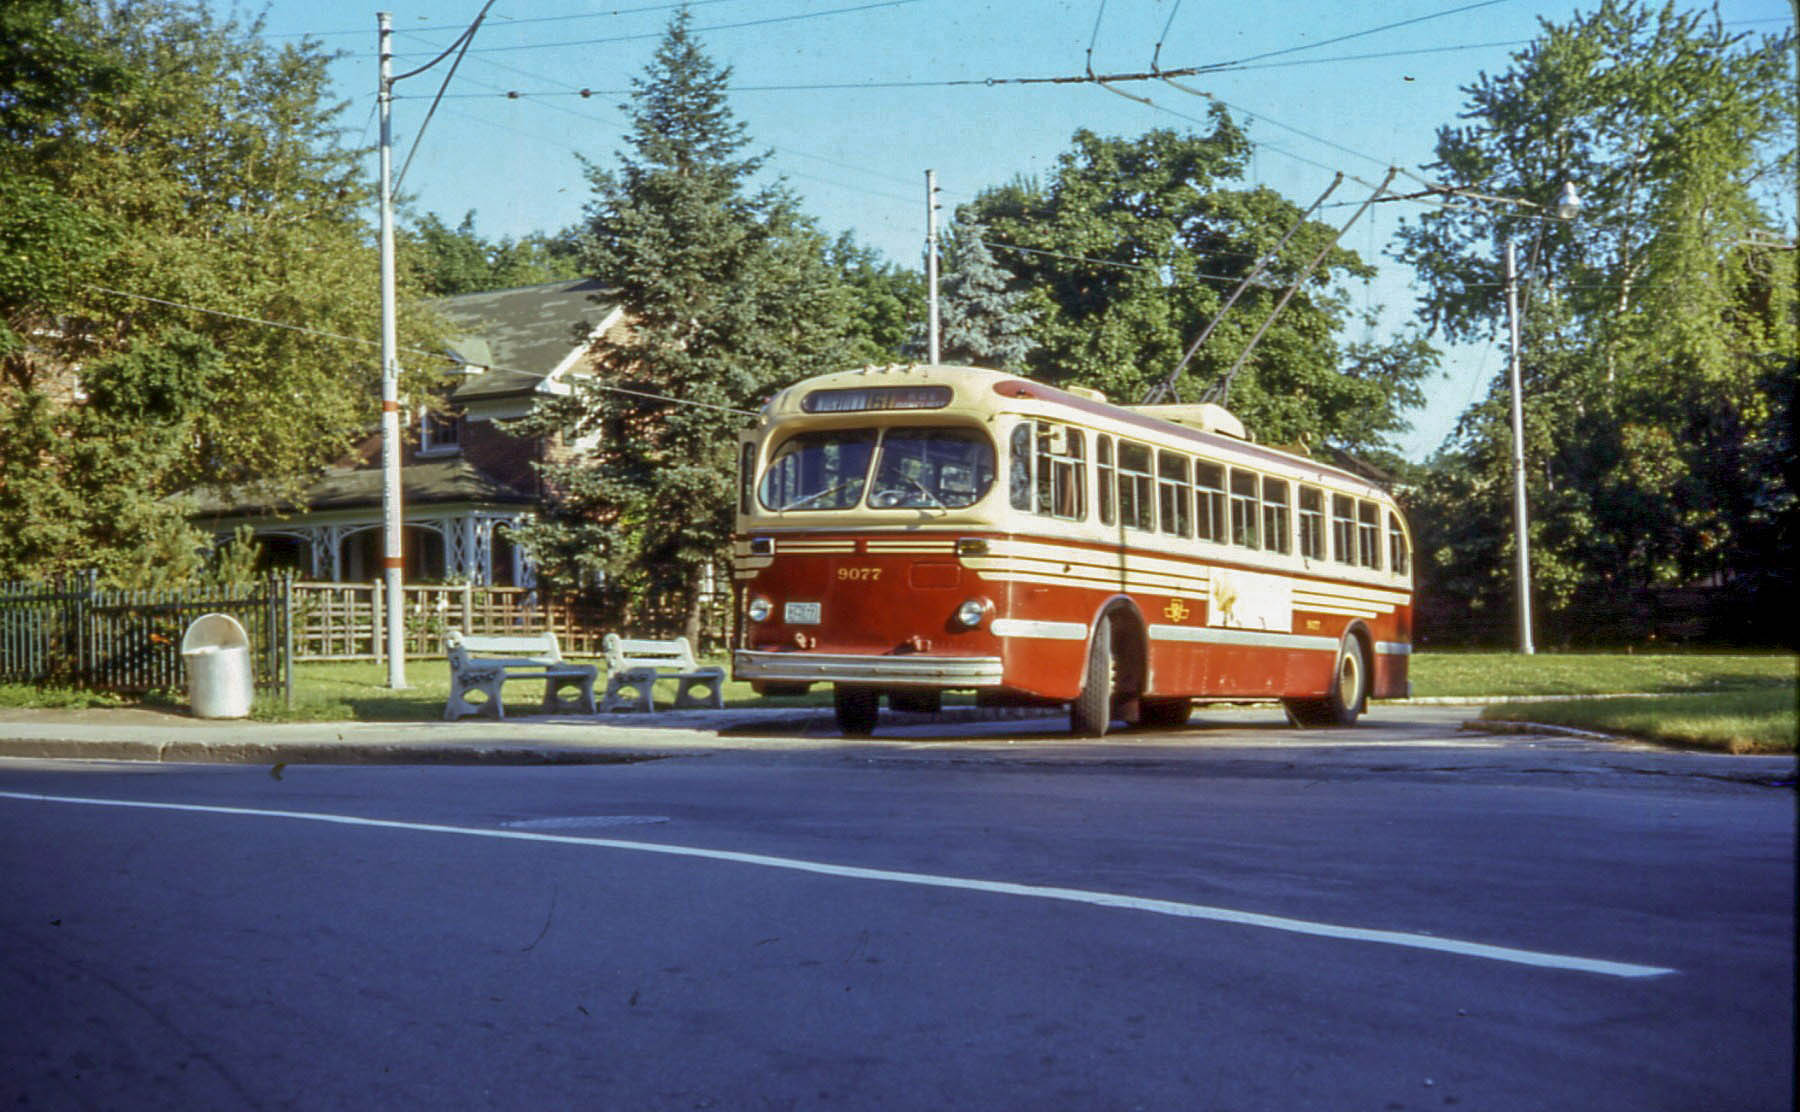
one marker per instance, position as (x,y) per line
(970,613)
(759,609)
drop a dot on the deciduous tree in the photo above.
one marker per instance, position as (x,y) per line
(1657,329)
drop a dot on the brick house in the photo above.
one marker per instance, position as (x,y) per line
(464,482)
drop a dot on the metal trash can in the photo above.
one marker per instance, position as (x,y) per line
(216,652)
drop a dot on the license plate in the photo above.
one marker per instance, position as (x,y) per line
(800,613)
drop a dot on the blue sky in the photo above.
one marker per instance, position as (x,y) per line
(1334,86)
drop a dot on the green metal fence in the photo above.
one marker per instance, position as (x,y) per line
(74,633)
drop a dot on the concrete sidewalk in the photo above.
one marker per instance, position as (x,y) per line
(139,734)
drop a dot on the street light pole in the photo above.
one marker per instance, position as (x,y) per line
(392,530)
(1521,545)
(1568,207)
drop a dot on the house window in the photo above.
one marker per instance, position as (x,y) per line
(439,433)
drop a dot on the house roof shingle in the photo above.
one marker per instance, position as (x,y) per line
(519,336)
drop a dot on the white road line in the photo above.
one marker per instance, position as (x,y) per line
(1067,895)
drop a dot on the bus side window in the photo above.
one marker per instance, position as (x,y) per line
(1397,561)
(1174,496)
(746,477)
(1275,515)
(1209,481)
(1061,472)
(1019,466)
(1103,475)
(1071,478)
(1243,507)
(1137,500)
(1312,523)
(1343,529)
(1368,534)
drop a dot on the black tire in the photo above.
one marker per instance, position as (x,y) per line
(857,709)
(1348,695)
(1164,714)
(1090,713)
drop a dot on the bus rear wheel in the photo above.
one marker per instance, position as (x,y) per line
(857,709)
(1348,695)
(1090,714)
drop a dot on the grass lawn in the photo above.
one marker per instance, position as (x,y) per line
(1479,675)
(1757,720)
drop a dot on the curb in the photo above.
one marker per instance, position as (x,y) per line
(1514,726)
(307,752)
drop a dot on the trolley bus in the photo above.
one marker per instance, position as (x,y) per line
(908,530)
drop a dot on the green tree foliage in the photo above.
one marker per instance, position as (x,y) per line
(729,295)
(1657,335)
(1132,246)
(448,261)
(154,156)
(984,320)
(885,301)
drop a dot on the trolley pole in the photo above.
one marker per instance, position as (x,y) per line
(931,264)
(1521,534)
(392,561)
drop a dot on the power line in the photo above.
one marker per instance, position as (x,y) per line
(1359,34)
(516,21)
(714,27)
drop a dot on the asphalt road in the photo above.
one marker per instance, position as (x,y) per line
(1236,917)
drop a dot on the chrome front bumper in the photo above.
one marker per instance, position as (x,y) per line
(911,670)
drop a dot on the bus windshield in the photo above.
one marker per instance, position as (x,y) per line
(934,468)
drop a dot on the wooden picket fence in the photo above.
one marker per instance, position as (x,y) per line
(346,621)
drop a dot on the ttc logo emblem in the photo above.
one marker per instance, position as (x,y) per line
(1176,611)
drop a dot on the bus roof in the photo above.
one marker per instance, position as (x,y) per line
(984,389)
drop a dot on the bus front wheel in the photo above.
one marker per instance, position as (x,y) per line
(1091,712)
(1348,695)
(857,709)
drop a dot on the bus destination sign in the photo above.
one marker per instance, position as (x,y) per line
(868,398)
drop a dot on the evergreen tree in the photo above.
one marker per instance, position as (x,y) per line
(984,322)
(728,296)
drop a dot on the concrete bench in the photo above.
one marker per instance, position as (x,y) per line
(634,666)
(483,663)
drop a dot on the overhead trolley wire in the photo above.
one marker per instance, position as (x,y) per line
(697,30)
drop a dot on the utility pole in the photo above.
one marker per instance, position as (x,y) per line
(1521,547)
(931,264)
(392,528)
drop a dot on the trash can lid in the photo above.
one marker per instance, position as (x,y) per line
(214,631)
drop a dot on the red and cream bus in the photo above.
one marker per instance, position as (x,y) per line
(910,530)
